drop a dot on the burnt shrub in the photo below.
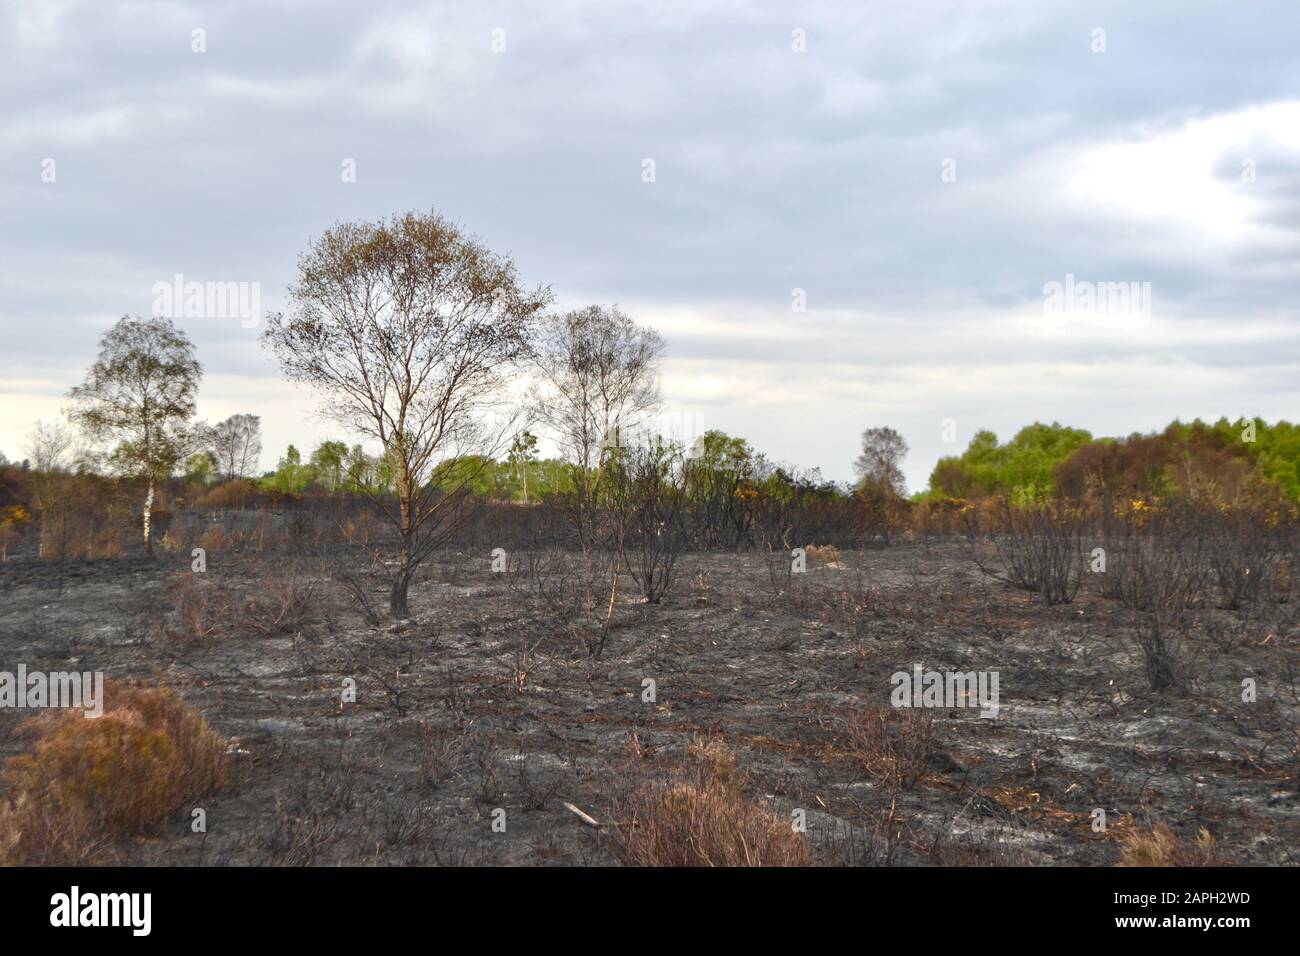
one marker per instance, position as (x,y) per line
(1157,554)
(893,745)
(648,499)
(1157,566)
(200,609)
(576,595)
(1245,548)
(284,601)
(1041,549)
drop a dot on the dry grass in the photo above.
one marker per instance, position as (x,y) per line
(201,610)
(893,745)
(89,782)
(1160,847)
(283,607)
(825,553)
(702,818)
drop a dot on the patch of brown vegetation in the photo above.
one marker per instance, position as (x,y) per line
(703,818)
(1159,846)
(892,744)
(825,552)
(89,782)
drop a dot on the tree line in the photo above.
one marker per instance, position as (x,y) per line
(426,346)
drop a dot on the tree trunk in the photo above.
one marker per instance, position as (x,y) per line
(397,605)
(148,512)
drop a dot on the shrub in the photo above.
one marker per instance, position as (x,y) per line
(702,818)
(213,539)
(233,494)
(1154,571)
(12,520)
(892,744)
(89,782)
(1043,550)
(1163,638)
(284,606)
(1157,566)
(647,503)
(201,609)
(577,595)
(1244,554)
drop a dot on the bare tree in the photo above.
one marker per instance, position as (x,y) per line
(409,329)
(140,392)
(879,467)
(48,447)
(596,375)
(237,443)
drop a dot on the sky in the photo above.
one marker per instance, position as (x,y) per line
(935,216)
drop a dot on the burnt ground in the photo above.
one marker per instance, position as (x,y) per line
(484,701)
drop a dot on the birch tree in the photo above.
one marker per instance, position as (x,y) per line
(595,378)
(140,394)
(409,330)
(237,443)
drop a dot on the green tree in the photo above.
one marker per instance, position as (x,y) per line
(474,474)
(521,458)
(291,476)
(880,465)
(327,460)
(200,467)
(1024,467)
(141,393)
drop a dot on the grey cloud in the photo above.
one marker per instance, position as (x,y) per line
(775,170)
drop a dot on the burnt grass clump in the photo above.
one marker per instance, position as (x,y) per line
(525,716)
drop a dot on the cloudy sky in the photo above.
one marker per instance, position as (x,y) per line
(854,214)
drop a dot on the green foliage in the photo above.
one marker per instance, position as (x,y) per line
(200,468)
(1277,449)
(532,481)
(141,393)
(327,463)
(291,476)
(474,473)
(512,480)
(1274,449)
(506,480)
(1221,459)
(718,467)
(1023,468)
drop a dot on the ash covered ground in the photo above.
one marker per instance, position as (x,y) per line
(485,702)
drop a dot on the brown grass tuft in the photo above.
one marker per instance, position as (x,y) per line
(89,782)
(702,818)
(825,552)
(1160,847)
